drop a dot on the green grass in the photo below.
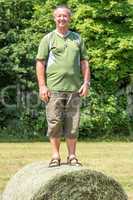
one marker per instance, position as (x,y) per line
(112,158)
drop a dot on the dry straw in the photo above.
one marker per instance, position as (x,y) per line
(38,182)
(0,196)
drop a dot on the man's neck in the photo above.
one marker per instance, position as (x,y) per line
(62,31)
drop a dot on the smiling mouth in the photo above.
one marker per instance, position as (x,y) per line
(62,22)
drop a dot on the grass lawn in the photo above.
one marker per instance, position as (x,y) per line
(112,158)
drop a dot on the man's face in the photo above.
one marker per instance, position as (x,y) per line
(62,18)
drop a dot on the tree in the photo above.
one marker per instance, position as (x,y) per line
(106,27)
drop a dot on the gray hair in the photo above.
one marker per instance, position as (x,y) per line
(65,7)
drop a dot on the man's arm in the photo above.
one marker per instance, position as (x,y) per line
(40,72)
(86,77)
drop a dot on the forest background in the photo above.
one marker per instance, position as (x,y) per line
(106,26)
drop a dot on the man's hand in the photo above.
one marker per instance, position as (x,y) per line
(44,93)
(83,91)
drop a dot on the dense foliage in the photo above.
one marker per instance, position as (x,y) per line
(106,27)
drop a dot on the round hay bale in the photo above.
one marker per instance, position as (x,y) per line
(38,182)
(0,195)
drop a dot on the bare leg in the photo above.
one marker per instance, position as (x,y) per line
(55,143)
(71,145)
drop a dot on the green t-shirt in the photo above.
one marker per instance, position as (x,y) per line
(63,56)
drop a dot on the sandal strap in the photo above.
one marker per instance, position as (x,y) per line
(54,162)
(73,158)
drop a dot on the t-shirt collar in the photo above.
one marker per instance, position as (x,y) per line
(61,35)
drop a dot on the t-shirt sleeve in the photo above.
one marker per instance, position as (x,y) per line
(83,51)
(43,49)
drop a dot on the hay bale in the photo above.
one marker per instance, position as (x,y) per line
(0,195)
(38,182)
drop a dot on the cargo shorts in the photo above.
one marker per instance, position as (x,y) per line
(63,114)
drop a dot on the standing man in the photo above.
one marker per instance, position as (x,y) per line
(61,59)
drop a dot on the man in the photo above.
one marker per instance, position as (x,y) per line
(60,60)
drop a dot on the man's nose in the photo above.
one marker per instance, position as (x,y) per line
(62,17)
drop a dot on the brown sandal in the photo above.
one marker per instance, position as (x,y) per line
(70,161)
(55,162)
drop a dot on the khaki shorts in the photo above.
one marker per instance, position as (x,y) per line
(63,114)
